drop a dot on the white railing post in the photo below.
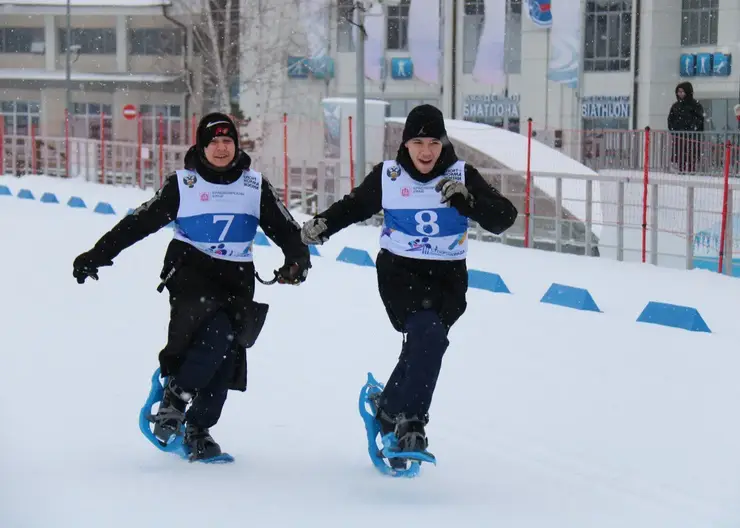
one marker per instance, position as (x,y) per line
(320,186)
(689,227)
(620,220)
(654,224)
(589,215)
(304,203)
(727,264)
(504,183)
(559,214)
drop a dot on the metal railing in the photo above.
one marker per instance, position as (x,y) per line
(670,152)
(595,216)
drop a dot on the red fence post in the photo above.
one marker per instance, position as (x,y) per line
(645,179)
(725,196)
(285,157)
(528,187)
(161,149)
(351,158)
(66,143)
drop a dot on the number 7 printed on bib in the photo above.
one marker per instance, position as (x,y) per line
(223,218)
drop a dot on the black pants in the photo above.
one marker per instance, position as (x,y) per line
(207,369)
(411,385)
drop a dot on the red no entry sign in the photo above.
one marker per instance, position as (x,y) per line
(129,111)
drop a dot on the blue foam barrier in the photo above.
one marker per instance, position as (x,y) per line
(673,315)
(570,297)
(484,280)
(25,194)
(260,239)
(359,257)
(313,250)
(76,201)
(48,197)
(4,191)
(104,208)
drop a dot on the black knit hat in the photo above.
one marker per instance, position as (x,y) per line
(214,125)
(424,121)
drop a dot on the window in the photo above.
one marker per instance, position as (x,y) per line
(398,26)
(719,115)
(85,120)
(21,40)
(402,107)
(608,38)
(17,115)
(345,12)
(162,41)
(699,20)
(93,41)
(173,125)
(473,21)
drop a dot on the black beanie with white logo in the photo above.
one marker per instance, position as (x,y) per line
(424,121)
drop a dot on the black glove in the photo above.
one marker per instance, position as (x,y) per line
(294,272)
(456,193)
(86,265)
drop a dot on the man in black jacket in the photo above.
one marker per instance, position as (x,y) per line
(686,120)
(216,204)
(427,196)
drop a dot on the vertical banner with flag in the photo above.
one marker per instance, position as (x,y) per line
(489,62)
(540,13)
(374,46)
(423,39)
(565,43)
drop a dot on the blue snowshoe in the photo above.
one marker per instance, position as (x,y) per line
(388,458)
(166,428)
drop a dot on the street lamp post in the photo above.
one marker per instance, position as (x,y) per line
(360,90)
(68,71)
(359,21)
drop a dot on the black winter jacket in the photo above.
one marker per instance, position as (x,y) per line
(199,284)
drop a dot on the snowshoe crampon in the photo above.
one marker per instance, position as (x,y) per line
(175,443)
(383,457)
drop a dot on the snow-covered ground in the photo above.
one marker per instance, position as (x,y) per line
(544,416)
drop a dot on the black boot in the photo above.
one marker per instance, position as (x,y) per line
(387,425)
(410,433)
(171,413)
(200,443)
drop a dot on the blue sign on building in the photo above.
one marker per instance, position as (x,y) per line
(722,64)
(297,67)
(322,67)
(319,68)
(402,68)
(688,65)
(705,65)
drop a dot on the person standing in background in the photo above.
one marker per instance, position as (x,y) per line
(685,118)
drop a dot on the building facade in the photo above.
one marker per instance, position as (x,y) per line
(127,59)
(633,54)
